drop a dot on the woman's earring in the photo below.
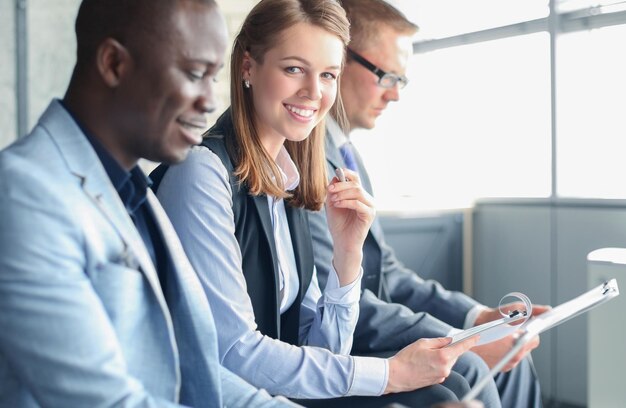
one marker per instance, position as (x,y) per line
(246,83)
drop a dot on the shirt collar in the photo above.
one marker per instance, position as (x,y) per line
(337,135)
(288,170)
(132,186)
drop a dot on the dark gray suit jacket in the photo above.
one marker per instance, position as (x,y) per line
(397,307)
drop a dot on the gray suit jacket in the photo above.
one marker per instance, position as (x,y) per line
(83,319)
(397,306)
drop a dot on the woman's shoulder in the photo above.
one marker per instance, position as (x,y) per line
(202,158)
(220,138)
(200,167)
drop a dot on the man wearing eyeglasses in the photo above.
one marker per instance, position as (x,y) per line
(397,307)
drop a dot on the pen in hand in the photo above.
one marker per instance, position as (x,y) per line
(340,174)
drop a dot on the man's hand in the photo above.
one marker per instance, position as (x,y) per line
(424,362)
(494,351)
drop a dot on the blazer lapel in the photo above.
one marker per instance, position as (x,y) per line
(136,256)
(84,163)
(191,318)
(263,209)
(184,269)
(299,231)
(333,156)
(365,178)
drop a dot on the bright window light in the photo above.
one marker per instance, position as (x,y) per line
(473,122)
(591,124)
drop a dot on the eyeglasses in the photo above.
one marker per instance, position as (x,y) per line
(385,79)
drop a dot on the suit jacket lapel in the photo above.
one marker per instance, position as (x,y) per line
(376,230)
(263,209)
(333,156)
(184,269)
(84,163)
(302,248)
(365,178)
(298,226)
(192,319)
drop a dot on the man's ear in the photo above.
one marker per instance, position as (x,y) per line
(113,61)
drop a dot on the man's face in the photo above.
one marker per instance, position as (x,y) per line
(170,86)
(363,99)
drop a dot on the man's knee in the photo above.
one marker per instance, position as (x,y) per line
(458,384)
(472,367)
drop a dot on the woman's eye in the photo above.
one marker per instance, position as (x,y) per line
(293,70)
(328,75)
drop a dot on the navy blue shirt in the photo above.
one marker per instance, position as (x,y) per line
(132,188)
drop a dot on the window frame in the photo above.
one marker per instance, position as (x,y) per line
(554,24)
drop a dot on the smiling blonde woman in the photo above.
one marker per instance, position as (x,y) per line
(239,205)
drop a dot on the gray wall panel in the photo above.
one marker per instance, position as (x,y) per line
(498,268)
(430,246)
(51,51)
(512,254)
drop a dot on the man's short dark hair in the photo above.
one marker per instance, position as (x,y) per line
(128,21)
(367,16)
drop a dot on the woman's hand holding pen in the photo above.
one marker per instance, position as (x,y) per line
(350,211)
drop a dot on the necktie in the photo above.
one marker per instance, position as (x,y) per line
(348,156)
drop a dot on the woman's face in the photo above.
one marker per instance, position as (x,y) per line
(296,84)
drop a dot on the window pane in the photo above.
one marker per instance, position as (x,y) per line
(473,122)
(443,18)
(591,124)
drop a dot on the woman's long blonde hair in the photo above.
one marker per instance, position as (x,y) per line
(260,32)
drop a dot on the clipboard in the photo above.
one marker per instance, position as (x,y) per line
(493,330)
(545,321)
(572,308)
(500,328)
